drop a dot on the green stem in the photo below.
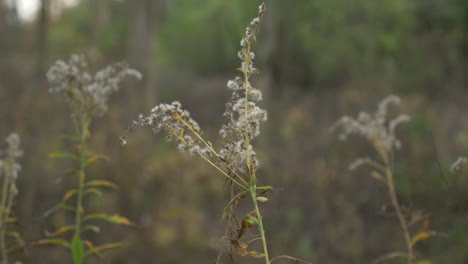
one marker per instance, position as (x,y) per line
(401,218)
(396,203)
(81,175)
(253,193)
(4,210)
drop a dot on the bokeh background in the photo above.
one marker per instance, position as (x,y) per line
(318,60)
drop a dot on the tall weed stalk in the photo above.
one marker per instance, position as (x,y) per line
(379,131)
(9,170)
(87,97)
(236,158)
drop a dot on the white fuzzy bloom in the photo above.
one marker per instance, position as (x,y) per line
(358,163)
(84,91)
(9,167)
(456,166)
(176,123)
(375,128)
(244,118)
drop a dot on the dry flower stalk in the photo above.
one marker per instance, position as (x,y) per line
(236,159)
(379,131)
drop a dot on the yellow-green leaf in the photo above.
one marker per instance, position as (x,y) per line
(92,191)
(256,254)
(93,228)
(421,236)
(102,183)
(61,230)
(378,176)
(69,194)
(247,222)
(110,246)
(65,173)
(92,249)
(97,250)
(116,219)
(53,241)
(95,158)
(424,262)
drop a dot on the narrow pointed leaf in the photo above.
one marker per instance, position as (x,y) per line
(116,219)
(77,249)
(247,222)
(61,230)
(233,200)
(421,236)
(69,194)
(53,241)
(59,206)
(102,183)
(92,191)
(93,228)
(65,173)
(92,249)
(256,254)
(95,158)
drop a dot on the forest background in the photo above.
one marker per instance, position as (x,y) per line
(318,60)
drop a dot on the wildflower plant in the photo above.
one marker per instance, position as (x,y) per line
(379,131)
(87,97)
(236,159)
(9,170)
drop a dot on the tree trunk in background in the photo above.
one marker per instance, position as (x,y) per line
(141,45)
(100,21)
(270,49)
(42,40)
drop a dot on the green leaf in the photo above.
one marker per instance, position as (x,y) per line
(57,155)
(93,228)
(247,222)
(77,249)
(52,241)
(251,220)
(59,206)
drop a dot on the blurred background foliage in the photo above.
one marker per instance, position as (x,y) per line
(318,59)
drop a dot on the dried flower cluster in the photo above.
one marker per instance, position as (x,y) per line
(236,155)
(9,167)
(236,159)
(9,170)
(83,91)
(173,121)
(457,165)
(375,128)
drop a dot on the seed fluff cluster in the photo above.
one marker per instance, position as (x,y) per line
(84,91)
(376,128)
(244,117)
(9,167)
